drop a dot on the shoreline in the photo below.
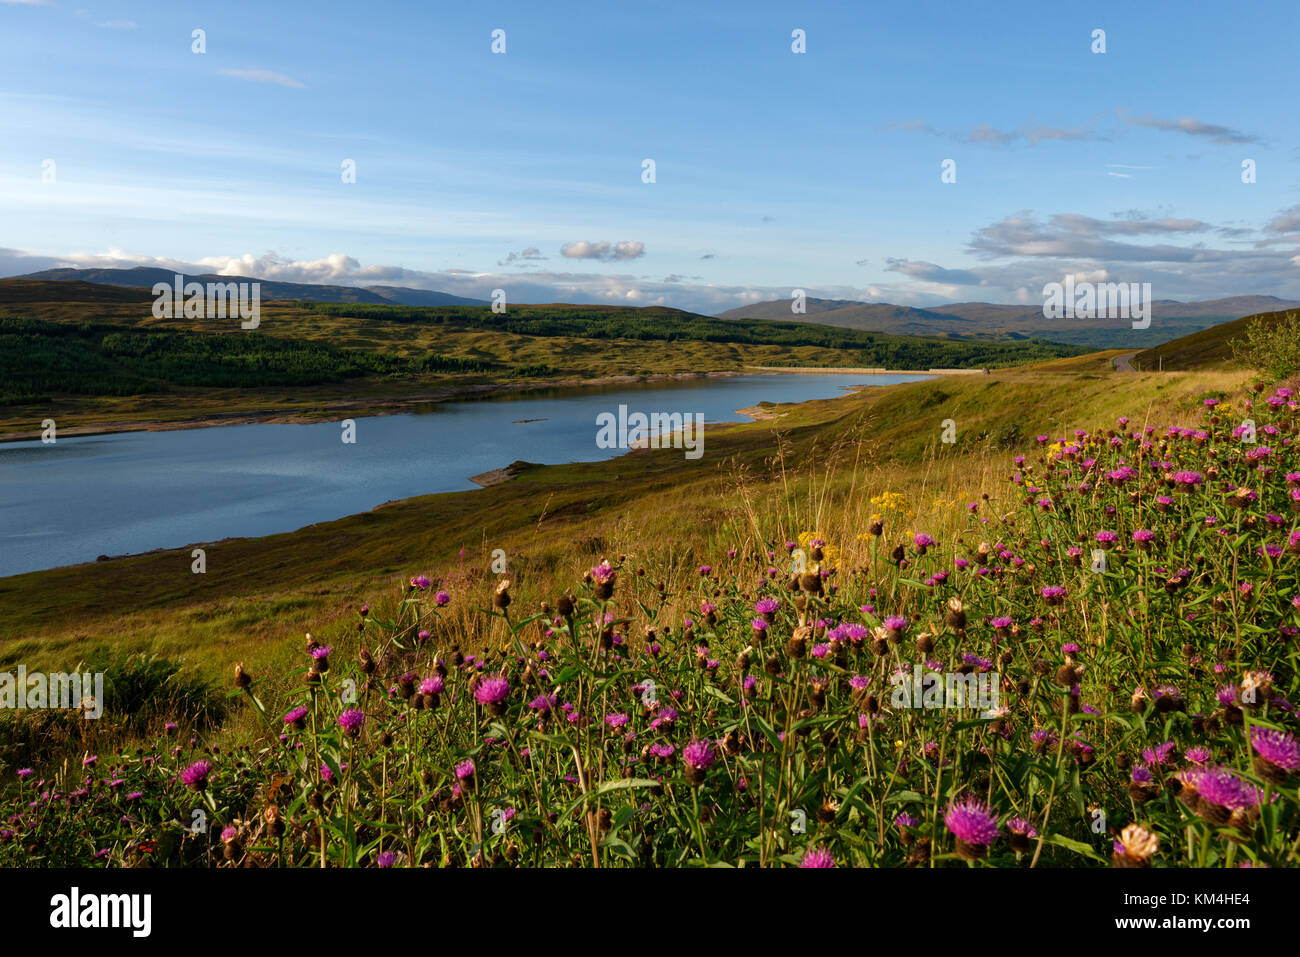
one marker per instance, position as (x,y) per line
(817,370)
(360,408)
(405,405)
(493,477)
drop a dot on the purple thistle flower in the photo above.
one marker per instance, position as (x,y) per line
(1160,753)
(195,777)
(1054,594)
(1041,735)
(699,754)
(1221,787)
(1018,825)
(433,685)
(1276,747)
(855,632)
(543,703)
(492,690)
(972,822)
(351,721)
(818,857)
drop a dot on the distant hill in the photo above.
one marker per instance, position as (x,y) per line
(146,276)
(868,316)
(780,309)
(1207,347)
(405,296)
(983,320)
(71,290)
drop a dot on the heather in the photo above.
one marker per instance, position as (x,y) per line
(1132,589)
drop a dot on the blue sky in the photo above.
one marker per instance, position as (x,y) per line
(774,170)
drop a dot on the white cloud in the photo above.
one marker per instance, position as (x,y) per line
(1013,257)
(1191,126)
(604,250)
(529,255)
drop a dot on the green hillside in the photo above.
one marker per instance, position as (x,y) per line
(1209,347)
(94,357)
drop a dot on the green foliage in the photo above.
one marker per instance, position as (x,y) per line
(1006,436)
(1252,341)
(1271,344)
(141,692)
(39,357)
(142,689)
(536,369)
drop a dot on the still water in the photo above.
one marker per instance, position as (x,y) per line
(82,497)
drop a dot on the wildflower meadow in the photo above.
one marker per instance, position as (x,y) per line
(1095,665)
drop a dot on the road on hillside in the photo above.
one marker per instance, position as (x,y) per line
(1122,363)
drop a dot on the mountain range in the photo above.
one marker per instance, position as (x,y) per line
(1169,319)
(146,276)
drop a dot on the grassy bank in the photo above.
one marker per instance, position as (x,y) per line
(260,595)
(713,664)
